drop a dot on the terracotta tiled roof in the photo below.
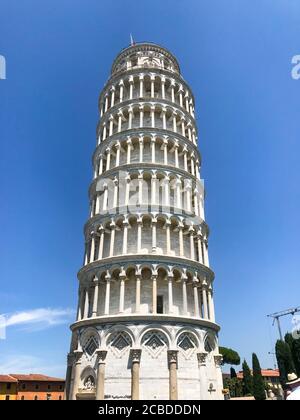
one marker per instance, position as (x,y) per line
(7,378)
(265,372)
(35,377)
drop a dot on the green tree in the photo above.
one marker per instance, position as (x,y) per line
(230,357)
(295,351)
(247,379)
(284,360)
(258,382)
(235,387)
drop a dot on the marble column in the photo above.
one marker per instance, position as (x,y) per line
(95,300)
(70,362)
(135,373)
(100,374)
(154,294)
(107,294)
(173,387)
(76,374)
(202,375)
(138,293)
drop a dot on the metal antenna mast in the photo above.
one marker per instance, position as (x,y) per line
(276,316)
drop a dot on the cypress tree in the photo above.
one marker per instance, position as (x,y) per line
(247,379)
(284,360)
(258,382)
(232,373)
(295,351)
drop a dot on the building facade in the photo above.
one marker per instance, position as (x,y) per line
(8,387)
(145,326)
(31,387)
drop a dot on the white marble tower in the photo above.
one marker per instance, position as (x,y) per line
(145,326)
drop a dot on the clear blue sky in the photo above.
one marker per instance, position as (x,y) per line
(236,55)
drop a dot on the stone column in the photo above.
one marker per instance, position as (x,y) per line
(192,247)
(196,206)
(108,159)
(138,293)
(199,245)
(180,232)
(135,373)
(139,235)
(218,358)
(122,292)
(141,77)
(127,187)
(106,102)
(112,238)
(121,84)
(165,147)
(118,147)
(168,237)
(204,299)
(153,223)
(101,242)
(196,299)
(86,305)
(185,163)
(173,389)
(176,145)
(140,182)
(112,96)
(141,108)
(164,111)
(116,190)
(202,375)
(92,253)
(68,386)
(141,143)
(153,116)
(170,294)
(163,90)
(107,294)
(182,119)
(130,115)
(120,119)
(184,296)
(76,375)
(174,122)
(167,190)
(211,308)
(100,164)
(100,374)
(129,146)
(125,236)
(153,188)
(111,125)
(95,300)
(154,294)
(173,90)
(152,77)
(104,132)
(153,140)
(131,87)
(178,192)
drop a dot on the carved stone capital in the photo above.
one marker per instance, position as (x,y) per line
(202,358)
(172,356)
(101,353)
(135,355)
(218,360)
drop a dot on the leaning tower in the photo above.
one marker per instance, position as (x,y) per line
(145,326)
